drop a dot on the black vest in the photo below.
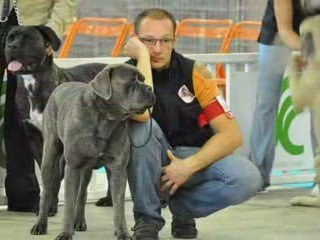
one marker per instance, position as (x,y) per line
(177,119)
(269,27)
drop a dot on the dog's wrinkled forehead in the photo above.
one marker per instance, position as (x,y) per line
(35,35)
(125,72)
(24,33)
(310,35)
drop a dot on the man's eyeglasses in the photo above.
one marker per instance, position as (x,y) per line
(165,42)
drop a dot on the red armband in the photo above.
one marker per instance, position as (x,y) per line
(214,110)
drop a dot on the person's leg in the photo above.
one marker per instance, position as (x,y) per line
(229,181)
(272,63)
(144,172)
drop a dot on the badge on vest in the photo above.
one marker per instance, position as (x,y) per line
(185,94)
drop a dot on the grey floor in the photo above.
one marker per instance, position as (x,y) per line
(267,216)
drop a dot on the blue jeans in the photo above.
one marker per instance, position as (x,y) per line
(273,61)
(230,181)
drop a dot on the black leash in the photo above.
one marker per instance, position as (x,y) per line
(148,138)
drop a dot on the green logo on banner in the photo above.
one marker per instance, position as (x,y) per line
(286,115)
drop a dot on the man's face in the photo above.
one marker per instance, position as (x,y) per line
(158,36)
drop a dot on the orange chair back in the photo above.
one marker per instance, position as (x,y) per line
(245,30)
(206,29)
(116,28)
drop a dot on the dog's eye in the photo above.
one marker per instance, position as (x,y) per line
(307,45)
(139,79)
(10,37)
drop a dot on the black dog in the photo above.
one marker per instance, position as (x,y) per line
(29,54)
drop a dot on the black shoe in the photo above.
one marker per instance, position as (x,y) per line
(104,202)
(145,231)
(32,209)
(184,228)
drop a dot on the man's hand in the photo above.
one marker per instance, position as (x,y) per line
(175,174)
(134,48)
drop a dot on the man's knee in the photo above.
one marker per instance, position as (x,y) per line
(247,180)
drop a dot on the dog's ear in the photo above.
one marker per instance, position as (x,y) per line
(140,76)
(101,84)
(50,36)
(307,49)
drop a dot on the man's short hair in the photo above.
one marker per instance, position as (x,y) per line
(154,13)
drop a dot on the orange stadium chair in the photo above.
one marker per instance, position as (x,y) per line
(209,29)
(116,28)
(247,31)
(243,31)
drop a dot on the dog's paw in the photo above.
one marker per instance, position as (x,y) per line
(64,236)
(305,201)
(39,229)
(122,235)
(80,225)
(124,238)
(104,202)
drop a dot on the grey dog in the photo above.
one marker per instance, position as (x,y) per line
(86,125)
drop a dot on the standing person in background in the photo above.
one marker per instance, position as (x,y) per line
(279,36)
(189,153)
(22,188)
(57,14)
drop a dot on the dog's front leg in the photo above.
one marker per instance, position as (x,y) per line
(316,124)
(307,200)
(50,176)
(118,189)
(71,188)
(295,82)
(80,222)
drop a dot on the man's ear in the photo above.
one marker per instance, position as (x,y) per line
(101,84)
(50,36)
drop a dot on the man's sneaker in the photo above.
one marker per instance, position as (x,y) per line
(145,231)
(184,228)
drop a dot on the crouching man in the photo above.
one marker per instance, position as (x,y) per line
(189,154)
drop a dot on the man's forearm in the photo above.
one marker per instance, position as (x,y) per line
(145,68)
(217,147)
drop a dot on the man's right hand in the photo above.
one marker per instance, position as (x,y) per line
(134,48)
